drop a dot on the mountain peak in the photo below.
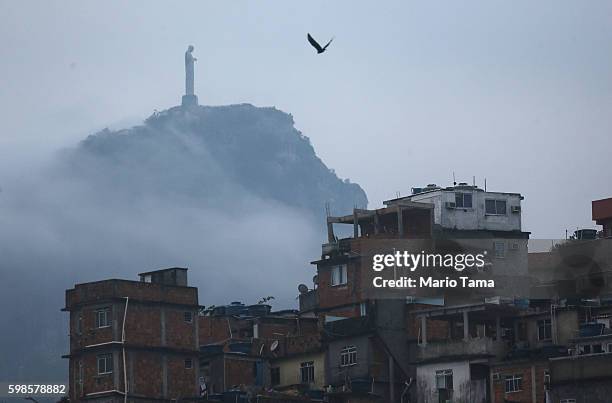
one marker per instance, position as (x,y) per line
(204,152)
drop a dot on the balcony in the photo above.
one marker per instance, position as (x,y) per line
(353,326)
(336,248)
(482,346)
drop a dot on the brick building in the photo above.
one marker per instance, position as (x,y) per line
(134,338)
(602,215)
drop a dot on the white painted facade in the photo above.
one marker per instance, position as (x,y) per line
(464,389)
(451,215)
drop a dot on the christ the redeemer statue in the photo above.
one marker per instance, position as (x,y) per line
(189,99)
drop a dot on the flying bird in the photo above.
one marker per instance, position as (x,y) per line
(316,45)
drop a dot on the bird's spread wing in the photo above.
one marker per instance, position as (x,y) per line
(330,41)
(315,44)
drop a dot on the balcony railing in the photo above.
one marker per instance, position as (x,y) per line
(450,348)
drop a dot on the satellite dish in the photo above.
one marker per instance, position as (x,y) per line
(303,288)
(274,345)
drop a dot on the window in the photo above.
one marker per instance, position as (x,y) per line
(546,379)
(103,317)
(499,250)
(188,363)
(105,364)
(463,200)
(514,383)
(544,329)
(188,316)
(609,347)
(79,324)
(495,207)
(568,400)
(338,275)
(597,349)
(444,379)
(275,376)
(348,356)
(307,372)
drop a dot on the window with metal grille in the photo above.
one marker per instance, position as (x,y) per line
(348,356)
(544,329)
(188,316)
(514,383)
(499,249)
(103,317)
(307,372)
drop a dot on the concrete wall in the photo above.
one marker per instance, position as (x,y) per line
(335,374)
(290,369)
(481,345)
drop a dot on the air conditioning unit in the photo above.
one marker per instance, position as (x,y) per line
(450,205)
(515,209)
(514,246)
(496,376)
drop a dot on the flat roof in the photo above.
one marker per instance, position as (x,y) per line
(453,310)
(363,213)
(162,270)
(448,189)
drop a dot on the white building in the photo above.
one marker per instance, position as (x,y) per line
(469,208)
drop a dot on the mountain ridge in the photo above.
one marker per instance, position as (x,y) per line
(209,152)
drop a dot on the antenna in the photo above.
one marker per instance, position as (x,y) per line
(485,184)
(474,181)
(397,194)
(454,181)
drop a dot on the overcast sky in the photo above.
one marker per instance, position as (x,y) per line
(518,92)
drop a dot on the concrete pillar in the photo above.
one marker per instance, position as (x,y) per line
(498,328)
(423,330)
(400,222)
(330,232)
(466,326)
(376,223)
(391,379)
